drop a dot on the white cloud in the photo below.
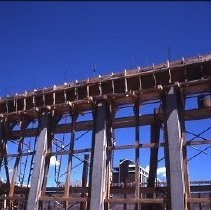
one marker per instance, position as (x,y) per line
(147,168)
(161,171)
(54,162)
(10,170)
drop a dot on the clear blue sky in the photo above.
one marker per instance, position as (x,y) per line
(47,43)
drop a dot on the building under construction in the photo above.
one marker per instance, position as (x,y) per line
(40,126)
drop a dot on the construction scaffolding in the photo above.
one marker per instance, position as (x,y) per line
(58,145)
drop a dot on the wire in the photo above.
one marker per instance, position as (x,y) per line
(82,135)
(73,205)
(160,159)
(197,135)
(206,153)
(81,159)
(202,151)
(76,139)
(76,165)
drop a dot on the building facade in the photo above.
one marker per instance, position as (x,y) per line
(125,173)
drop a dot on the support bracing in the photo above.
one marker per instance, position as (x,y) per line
(83,205)
(152,179)
(174,152)
(155,135)
(70,158)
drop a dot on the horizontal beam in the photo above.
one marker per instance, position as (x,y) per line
(199,200)
(200,188)
(124,122)
(70,199)
(62,152)
(117,147)
(154,145)
(192,74)
(134,200)
(113,200)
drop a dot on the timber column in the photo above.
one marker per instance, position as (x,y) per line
(39,161)
(174,150)
(98,186)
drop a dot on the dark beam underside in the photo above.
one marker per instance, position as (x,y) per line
(114,189)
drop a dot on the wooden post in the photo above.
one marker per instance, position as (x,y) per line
(70,157)
(155,135)
(83,205)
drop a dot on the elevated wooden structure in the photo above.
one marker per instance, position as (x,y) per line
(169,84)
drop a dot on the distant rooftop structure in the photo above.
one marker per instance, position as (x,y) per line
(125,172)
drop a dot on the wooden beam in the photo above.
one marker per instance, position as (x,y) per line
(193,114)
(134,200)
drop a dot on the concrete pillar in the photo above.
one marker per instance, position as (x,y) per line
(39,163)
(99,159)
(173,151)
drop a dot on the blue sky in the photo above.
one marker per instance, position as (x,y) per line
(47,43)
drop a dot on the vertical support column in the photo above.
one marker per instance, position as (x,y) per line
(174,155)
(83,205)
(53,119)
(39,163)
(94,113)
(137,165)
(181,108)
(210,201)
(23,126)
(3,148)
(3,155)
(123,177)
(70,158)
(99,158)
(109,153)
(155,135)
(200,206)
